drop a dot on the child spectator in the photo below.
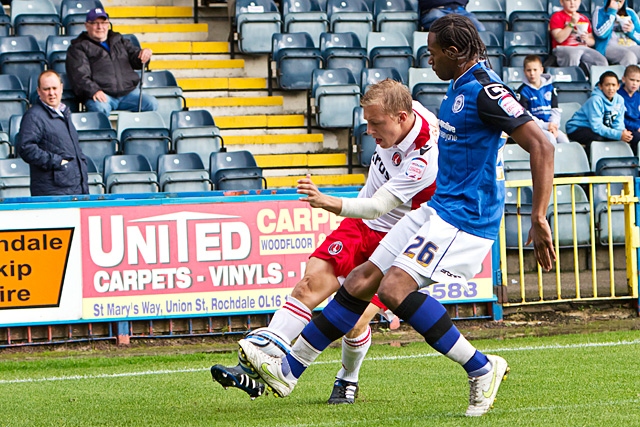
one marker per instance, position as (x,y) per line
(617,31)
(601,118)
(538,95)
(629,92)
(572,38)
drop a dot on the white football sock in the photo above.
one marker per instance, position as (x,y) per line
(353,352)
(289,321)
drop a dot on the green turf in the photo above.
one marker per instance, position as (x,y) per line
(568,380)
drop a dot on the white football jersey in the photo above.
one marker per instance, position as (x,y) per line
(407,170)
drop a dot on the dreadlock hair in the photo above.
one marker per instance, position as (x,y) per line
(458,31)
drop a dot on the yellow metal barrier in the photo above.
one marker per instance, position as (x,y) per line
(588,260)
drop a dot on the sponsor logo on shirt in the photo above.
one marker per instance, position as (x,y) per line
(458,104)
(510,106)
(416,168)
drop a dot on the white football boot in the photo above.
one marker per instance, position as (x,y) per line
(485,387)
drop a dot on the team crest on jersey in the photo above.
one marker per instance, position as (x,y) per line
(458,104)
(416,168)
(547,96)
(510,106)
(396,158)
(335,248)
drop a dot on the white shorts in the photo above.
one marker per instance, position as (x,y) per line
(436,251)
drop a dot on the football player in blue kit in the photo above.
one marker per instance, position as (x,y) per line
(449,236)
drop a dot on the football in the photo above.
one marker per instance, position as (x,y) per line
(266,341)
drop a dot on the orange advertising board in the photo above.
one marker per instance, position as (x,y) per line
(32,266)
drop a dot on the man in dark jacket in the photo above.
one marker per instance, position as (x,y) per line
(100,65)
(49,143)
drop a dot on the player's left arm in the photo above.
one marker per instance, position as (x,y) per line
(497,107)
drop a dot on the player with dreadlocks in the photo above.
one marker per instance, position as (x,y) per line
(449,236)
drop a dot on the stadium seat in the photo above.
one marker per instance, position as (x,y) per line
(14,178)
(513,76)
(350,16)
(37,18)
(374,75)
(236,170)
(13,99)
(129,173)
(294,57)
(537,22)
(596,71)
(5,146)
(97,138)
(143,133)
(195,132)
(335,94)
(163,86)
(491,13)
(511,212)
(517,45)
(601,194)
(578,92)
(390,50)
(608,149)
(427,88)
(96,183)
(305,16)
(5,24)
(343,50)
(420,49)
(571,160)
(22,57)
(56,50)
(73,14)
(365,144)
(516,162)
(256,21)
(182,172)
(567,110)
(567,74)
(566,217)
(525,6)
(14,128)
(396,16)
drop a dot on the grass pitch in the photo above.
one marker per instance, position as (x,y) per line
(569,380)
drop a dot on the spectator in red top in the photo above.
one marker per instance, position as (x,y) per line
(572,37)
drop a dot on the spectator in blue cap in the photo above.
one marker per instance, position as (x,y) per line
(101,67)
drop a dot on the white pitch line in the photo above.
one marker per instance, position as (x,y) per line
(370,359)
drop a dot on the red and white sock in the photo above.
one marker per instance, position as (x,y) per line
(353,352)
(289,321)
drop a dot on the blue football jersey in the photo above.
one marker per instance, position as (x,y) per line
(469,193)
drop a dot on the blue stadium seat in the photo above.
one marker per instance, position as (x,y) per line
(195,131)
(73,14)
(97,138)
(22,57)
(567,110)
(601,194)
(567,74)
(143,133)
(129,173)
(96,183)
(571,160)
(14,178)
(336,94)
(56,50)
(513,76)
(390,50)
(608,149)
(163,86)
(236,170)
(305,16)
(538,22)
(256,21)
(343,50)
(420,49)
(295,57)
(374,75)
(183,172)
(525,6)
(350,16)
(519,44)
(396,16)
(13,99)
(5,24)
(37,18)
(578,92)
(516,162)
(514,211)
(427,88)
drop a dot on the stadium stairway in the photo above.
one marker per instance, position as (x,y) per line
(273,128)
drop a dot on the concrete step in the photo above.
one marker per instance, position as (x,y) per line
(190,64)
(165,32)
(274,139)
(222,83)
(187,47)
(121,12)
(259,101)
(301,160)
(261,121)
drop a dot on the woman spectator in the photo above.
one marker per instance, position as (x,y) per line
(616,28)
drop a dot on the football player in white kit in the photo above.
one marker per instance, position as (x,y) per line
(401,177)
